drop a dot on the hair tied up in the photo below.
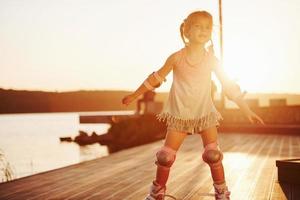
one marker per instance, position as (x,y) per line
(182,31)
(187,22)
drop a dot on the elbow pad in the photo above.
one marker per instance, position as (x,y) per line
(233,91)
(157,77)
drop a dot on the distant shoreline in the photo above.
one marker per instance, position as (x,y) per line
(24,101)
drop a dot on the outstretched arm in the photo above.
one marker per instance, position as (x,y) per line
(154,80)
(232,90)
(250,115)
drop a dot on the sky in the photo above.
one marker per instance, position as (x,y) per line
(67,45)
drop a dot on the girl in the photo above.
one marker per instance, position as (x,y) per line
(189,108)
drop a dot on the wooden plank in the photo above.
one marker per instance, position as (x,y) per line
(262,180)
(278,193)
(61,179)
(198,187)
(184,175)
(238,170)
(249,163)
(120,164)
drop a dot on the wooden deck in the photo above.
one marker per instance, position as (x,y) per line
(249,162)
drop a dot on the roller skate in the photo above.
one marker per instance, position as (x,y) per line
(158,192)
(221,192)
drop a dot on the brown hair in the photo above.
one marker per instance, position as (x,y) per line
(187,23)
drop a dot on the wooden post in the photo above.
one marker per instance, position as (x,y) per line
(221,50)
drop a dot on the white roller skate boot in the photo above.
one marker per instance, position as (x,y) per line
(156,192)
(221,192)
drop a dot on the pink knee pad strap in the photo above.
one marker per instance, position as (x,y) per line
(168,149)
(165,156)
(212,153)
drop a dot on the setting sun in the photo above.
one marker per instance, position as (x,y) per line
(67,48)
(98,99)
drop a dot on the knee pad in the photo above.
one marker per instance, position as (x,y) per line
(165,156)
(212,154)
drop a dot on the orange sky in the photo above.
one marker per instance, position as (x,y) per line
(102,45)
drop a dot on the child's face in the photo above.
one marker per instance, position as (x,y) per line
(200,31)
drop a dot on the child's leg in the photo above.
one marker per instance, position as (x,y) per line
(166,155)
(213,157)
(212,154)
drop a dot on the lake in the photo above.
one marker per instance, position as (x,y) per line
(31,143)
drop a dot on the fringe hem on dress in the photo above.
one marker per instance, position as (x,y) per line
(191,125)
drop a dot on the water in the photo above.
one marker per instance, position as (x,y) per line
(31,142)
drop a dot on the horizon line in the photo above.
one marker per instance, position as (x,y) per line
(124,90)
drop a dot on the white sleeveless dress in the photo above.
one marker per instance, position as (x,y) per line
(189,107)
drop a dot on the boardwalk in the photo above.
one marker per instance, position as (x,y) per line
(249,161)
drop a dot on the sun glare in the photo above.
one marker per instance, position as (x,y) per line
(248,64)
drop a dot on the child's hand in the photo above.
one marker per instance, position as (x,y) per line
(253,118)
(128,99)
